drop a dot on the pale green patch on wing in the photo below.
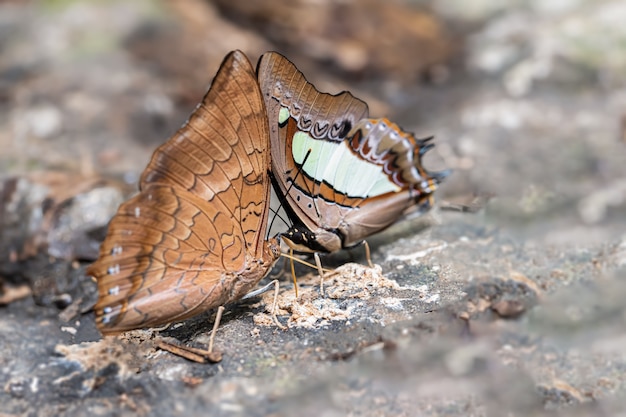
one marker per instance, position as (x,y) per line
(356,177)
(283,115)
(336,164)
(338,171)
(326,151)
(383,186)
(301,144)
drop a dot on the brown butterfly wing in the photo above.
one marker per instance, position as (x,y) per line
(223,149)
(193,238)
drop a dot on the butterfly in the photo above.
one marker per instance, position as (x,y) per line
(194,236)
(340,175)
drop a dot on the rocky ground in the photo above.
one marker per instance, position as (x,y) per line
(516,309)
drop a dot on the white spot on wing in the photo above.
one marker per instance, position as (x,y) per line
(283,115)
(113,270)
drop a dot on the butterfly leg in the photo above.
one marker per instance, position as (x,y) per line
(320,271)
(218,319)
(275,304)
(368,254)
(264,289)
(195,354)
(293,272)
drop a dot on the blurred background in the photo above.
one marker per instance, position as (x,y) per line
(94,86)
(100,83)
(526,99)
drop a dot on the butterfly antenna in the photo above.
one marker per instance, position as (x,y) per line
(276,214)
(300,168)
(282,198)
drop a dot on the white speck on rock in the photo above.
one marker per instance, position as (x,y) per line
(418,254)
(433,298)
(173,373)
(69,330)
(392,303)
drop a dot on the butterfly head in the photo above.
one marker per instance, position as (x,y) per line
(302,240)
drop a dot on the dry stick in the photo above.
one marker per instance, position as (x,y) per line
(195,354)
(184,352)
